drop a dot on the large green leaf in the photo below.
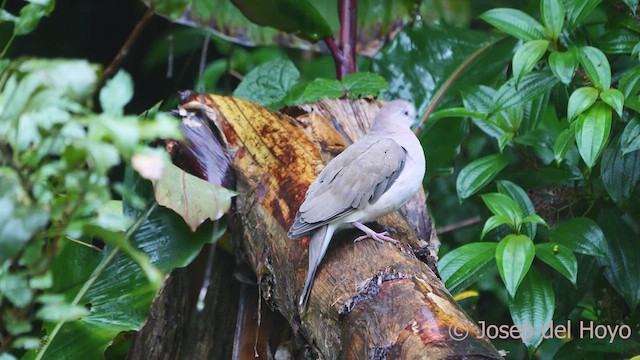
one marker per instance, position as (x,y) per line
(516,23)
(578,10)
(269,83)
(296,17)
(614,98)
(194,199)
(116,291)
(552,16)
(449,59)
(527,56)
(530,87)
(630,140)
(563,65)
(596,64)
(630,82)
(620,172)
(563,143)
(580,100)
(592,132)
(581,235)
(463,266)
(520,197)
(622,265)
(619,42)
(505,207)
(514,255)
(478,173)
(560,258)
(532,308)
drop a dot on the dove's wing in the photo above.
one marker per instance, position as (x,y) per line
(354,179)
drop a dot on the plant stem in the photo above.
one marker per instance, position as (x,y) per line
(344,55)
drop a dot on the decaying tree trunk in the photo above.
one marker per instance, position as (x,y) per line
(369,300)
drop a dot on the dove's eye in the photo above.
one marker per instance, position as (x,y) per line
(405,113)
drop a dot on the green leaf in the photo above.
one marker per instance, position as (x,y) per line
(504,139)
(530,87)
(478,173)
(563,143)
(618,42)
(592,132)
(463,266)
(504,206)
(581,235)
(596,65)
(194,199)
(622,265)
(170,8)
(514,256)
(516,23)
(532,308)
(552,16)
(298,17)
(116,93)
(19,222)
(580,100)
(631,136)
(120,298)
(443,69)
(527,56)
(492,223)
(560,258)
(630,82)
(620,172)
(478,98)
(632,4)
(320,89)
(613,98)
(563,65)
(364,83)
(30,16)
(518,195)
(578,10)
(534,219)
(269,83)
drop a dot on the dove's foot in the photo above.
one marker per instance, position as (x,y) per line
(370,234)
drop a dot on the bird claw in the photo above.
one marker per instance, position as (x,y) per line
(379,237)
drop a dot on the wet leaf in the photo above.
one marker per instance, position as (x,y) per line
(269,83)
(478,173)
(514,256)
(516,23)
(463,266)
(592,132)
(560,258)
(194,199)
(532,308)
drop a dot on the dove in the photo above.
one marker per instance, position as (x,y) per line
(373,177)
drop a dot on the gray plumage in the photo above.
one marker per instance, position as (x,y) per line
(371,178)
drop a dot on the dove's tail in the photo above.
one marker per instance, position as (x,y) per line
(317,248)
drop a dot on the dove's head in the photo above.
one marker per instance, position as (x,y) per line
(394,114)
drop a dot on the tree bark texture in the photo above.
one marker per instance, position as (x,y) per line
(370,300)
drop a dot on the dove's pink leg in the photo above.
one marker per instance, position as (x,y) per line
(379,237)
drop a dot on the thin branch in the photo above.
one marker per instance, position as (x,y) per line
(462,224)
(348,34)
(124,50)
(344,55)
